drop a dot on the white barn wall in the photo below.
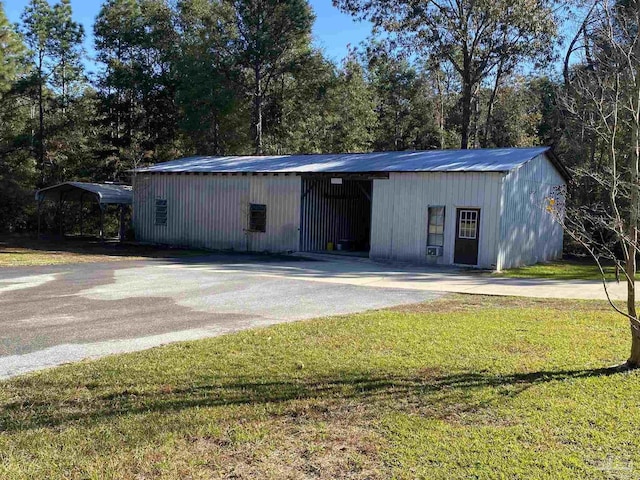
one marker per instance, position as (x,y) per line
(281,194)
(212,211)
(399,221)
(528,233)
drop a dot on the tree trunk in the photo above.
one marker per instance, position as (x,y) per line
(467,94)
(475,120)
(441,125)
(64,87)
(634,358)
(257,112)
(634,215)
(490,105)
(396,128)
(216,135)
(41,124)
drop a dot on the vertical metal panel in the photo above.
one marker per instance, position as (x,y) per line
(331,213)
(281,195)
(400,206)
(211,211)
(528,233)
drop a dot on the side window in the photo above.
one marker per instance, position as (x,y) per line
(161,211)
(435,237)
(257,217)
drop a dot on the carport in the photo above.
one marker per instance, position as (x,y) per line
(103,193)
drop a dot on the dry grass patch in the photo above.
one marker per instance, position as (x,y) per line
(24,251)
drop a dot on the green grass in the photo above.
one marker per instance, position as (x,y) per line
(464,387)
(562,270)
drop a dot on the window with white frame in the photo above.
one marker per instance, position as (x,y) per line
(161,211)
(435,237)
(468,227)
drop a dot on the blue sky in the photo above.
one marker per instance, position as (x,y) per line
(332,31)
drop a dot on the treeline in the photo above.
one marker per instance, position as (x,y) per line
(224,77)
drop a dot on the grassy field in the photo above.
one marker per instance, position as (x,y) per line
(24,251)
(464,387)
(570,269)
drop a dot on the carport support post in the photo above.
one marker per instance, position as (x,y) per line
(60,213)
(82,214)
(101,221)
(39,216)
(121,231)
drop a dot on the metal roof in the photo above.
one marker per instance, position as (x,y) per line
(104,193)
(480,160)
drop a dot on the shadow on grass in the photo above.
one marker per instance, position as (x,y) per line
(87,246)
(26,414)
(113,248)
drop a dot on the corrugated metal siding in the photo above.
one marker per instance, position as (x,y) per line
(334,212)
(212,211)
(281,195)
(400,205)
(528,233)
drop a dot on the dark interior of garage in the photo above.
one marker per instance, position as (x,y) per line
(336,214)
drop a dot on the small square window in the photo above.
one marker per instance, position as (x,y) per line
(468,224)
(435,233)
(257,217)
(161,211)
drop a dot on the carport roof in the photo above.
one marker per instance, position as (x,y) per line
(479,160)
(104,193)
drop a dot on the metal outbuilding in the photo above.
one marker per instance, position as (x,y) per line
(482,208)
(103,193)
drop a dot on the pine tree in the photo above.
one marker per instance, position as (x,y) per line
(137,43)
(270,36)
(54,41)
(353,116)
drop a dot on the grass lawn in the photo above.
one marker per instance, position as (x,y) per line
(574,269)
(23,251)
(464,387)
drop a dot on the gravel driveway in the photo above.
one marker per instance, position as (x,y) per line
(58,314)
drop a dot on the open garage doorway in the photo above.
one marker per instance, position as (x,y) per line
(336,214)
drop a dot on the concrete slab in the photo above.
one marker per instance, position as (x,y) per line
(364,272)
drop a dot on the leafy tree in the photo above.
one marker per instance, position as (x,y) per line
(67,37)
(516,115)
(212,111)
(53,40)
(551,126)
(301,105)
(477,38)
(12,53)
(137,43)
(17,169)
(37,21)
(270,39)
(405,112)
(353,120)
